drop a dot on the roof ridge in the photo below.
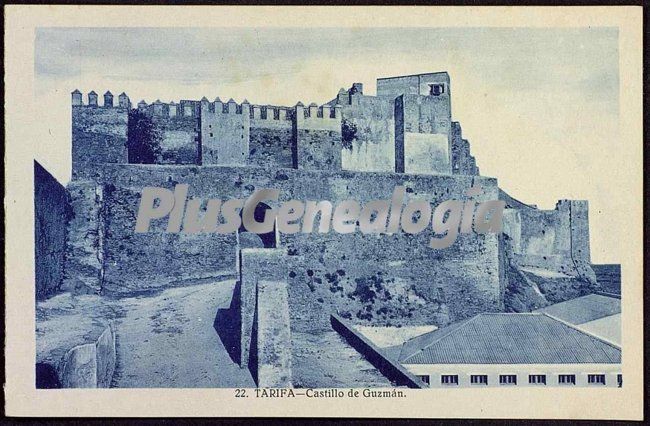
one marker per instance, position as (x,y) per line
(575,327)
(466,321)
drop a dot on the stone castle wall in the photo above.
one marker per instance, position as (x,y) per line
(84,266)
(608,277)
(401,130)
(406,128)
(174,138)
(317,138)
(51,214)
(179,140)
(384,278)
(463,163)
(271,137)
(225,132)
(368,133)
(556,239)
(98,134)
(425,133)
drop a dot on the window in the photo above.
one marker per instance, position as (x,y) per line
(449,379)
(211,135)
(436,89)
(619,379)
(478,379)
(537,379)
(508,379)
(426,379)
(566,379)
(596,379)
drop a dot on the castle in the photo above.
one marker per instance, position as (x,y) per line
(354,146)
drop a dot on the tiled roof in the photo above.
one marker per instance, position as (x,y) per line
(584,309)
(501,338)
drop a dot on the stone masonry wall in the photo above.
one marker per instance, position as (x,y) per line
(398,85)
(317,138)
(84,266)
(557,239)
(225,132)
(256,265)
(99,134)
(462,161)
(179,139)
(273,335)
(418,84)
(270,142)
(51,214)
(136,262)
(369,135)
(383,278)
(426,125)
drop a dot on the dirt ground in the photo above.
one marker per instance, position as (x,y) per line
(155,333)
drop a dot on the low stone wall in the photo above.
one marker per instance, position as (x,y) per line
(88,365)
(273,335)
(255,265)
(392,370)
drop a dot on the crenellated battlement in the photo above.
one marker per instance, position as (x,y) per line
(182,109)
(313,111)
(271,112)
(407,128)
(220,107)
(93,100)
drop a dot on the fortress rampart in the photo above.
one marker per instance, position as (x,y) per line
(408,131)
(345,272)
(354,146)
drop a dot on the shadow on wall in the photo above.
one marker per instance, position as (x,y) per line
(252,358)
(143,139)
(227,325)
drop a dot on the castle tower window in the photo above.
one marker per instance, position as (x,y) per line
(537,379)
(566,379)
(508,379)
(436,89)
(596,379)
(619,379)
(478,379)
(449,379)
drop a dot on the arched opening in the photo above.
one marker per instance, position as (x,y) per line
(270,238)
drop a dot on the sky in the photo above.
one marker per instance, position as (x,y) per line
(540,106)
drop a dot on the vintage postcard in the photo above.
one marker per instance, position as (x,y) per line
(369,212)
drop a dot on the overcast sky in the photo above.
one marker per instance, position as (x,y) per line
(539,106)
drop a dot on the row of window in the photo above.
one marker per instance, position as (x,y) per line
(511,379)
